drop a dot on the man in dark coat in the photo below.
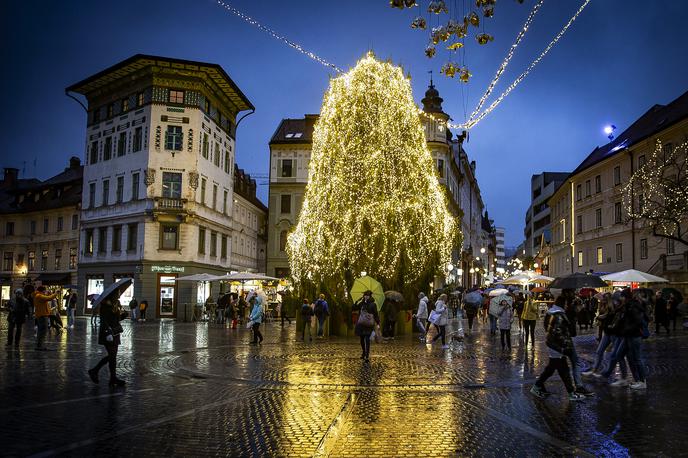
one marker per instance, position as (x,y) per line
(19,309)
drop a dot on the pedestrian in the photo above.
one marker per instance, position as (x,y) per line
(233,304)
(605,315)
(243,305)
(306,315)
(421,315)
(618,345)
(559,345)
(529,317)
(41,302)
(661,314)
(368,318)
(504,321)
(18,308)
(111,314)
(321,311)
(471,309)
(389,324)
(143,306)
(54,317)
(439,318)
(71,309)
(284,315)
(520,305)
(570,302)
(672,311)
(134,308)
(256,318)
(454,302)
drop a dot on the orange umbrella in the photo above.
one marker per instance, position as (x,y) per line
(538,289)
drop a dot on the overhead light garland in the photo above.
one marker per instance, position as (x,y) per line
(373,201)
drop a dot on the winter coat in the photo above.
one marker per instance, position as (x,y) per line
(371,308)
(110,316)
(558,339)
(634,314)
(422,312)
(321,309)
(19,310)
(530,311)
(41,303)
(660,310)
(256,313)
(505,317)
(441,309)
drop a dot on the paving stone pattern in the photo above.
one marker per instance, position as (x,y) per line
(201,390)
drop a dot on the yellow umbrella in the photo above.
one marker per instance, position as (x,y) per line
(364,284)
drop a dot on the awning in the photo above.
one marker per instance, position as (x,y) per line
(54,278)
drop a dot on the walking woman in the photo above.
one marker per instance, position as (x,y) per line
(422,316)
(441,319)
(368,318)
(504,321)
(529,317)
(111,314)
(256,318)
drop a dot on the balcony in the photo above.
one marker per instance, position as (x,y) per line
(170,206)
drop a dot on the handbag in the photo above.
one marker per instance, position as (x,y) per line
(366,319)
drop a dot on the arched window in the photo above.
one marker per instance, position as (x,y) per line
(283,241)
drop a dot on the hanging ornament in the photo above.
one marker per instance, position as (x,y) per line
(464,75)
(410,3)
(437,7)
(450,69)
(439,34)
(474,19)
(481,3)
(484,38)
(488,11)
(462,30)
(401,4)
(419,23)
(455,46)
(430,51)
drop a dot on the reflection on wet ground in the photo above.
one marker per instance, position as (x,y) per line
(199,389)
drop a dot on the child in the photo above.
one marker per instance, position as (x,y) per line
(504,321)
(558,342)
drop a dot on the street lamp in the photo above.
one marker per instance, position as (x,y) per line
(450,267)
(535,265)
(482,250)
(609,130)
(364,273)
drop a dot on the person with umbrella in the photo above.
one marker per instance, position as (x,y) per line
(471,305)
(661,313)
(672,309)
(439,317)
(505,319)
(529,316)
(368,318)
(111,314)
(570,304)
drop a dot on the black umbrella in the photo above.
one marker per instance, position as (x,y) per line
(577,281)
(677,294)
(114,291)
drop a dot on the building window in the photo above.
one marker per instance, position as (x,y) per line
(120,190)
(671,246)
(92,195)
(643,248)
(60,224)
(172,185)
(619,252)
(598,184)
(214,197)
(44,260)
(173,138)
(140,99)
(138,139)
(203,183)
(106,191)
(75,222)
(598,217)
(94,152)
(134,186)
(107,149)
(287,168)
(641,202)
(201,240)
(600,255)
(58,258)
(587,188)
(617,212)
(8,260)
(32,260)
(223,247)
(32,227)
(88,242)
(111,110)
(46,225)
(580,259)
(224,202)
(176,96)
(204,149)
(122,144)
(125,105)
(641,161)
(226,161)
(132,235)
(440,167)
(116,238)
(102,240)
(579,192)
(216,156)
(9,228)
(213,244)
(667,150)
(285,203)
(579,224)
(169,238)
(72,258)
(617,175)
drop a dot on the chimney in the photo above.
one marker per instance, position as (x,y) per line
(10,179)
(473,166)
(74,162)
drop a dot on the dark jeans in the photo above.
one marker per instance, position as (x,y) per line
(661,322)
(493,324)
(559,365)
(529,327)
(283,316)
(388,328)
(12,335)
(505,334)
(471,317)
(441,332)
(365,345)
(635,358)
(43,323)
(321,325)
(55,322)
(110,360)
(619,352)
(257,336)
(672,320)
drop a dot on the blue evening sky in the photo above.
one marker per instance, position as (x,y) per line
(617,60)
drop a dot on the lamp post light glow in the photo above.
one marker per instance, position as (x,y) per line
(450,267)
(482,250)
(609,131)
(364,273)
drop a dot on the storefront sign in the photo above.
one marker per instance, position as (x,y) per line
(167,269)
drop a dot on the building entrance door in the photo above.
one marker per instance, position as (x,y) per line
(167,296)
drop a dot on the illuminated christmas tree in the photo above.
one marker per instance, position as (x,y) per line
(373,202)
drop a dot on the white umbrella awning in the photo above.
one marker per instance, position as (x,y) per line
(197,277)
(498,292)
(634,276)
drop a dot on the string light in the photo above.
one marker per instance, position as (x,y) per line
(373,201)
(472,122)
(279,37)
(662,196)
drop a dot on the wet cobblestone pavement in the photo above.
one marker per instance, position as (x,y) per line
(200,389)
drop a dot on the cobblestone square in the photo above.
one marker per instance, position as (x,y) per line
(199,389)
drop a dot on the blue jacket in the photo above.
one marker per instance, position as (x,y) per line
(256,313)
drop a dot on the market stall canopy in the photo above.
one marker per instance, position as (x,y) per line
(243,276)
(634,276)
(197,277)
(114,291)
(578,281)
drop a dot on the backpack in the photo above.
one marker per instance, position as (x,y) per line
(306,310)
(319,309)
